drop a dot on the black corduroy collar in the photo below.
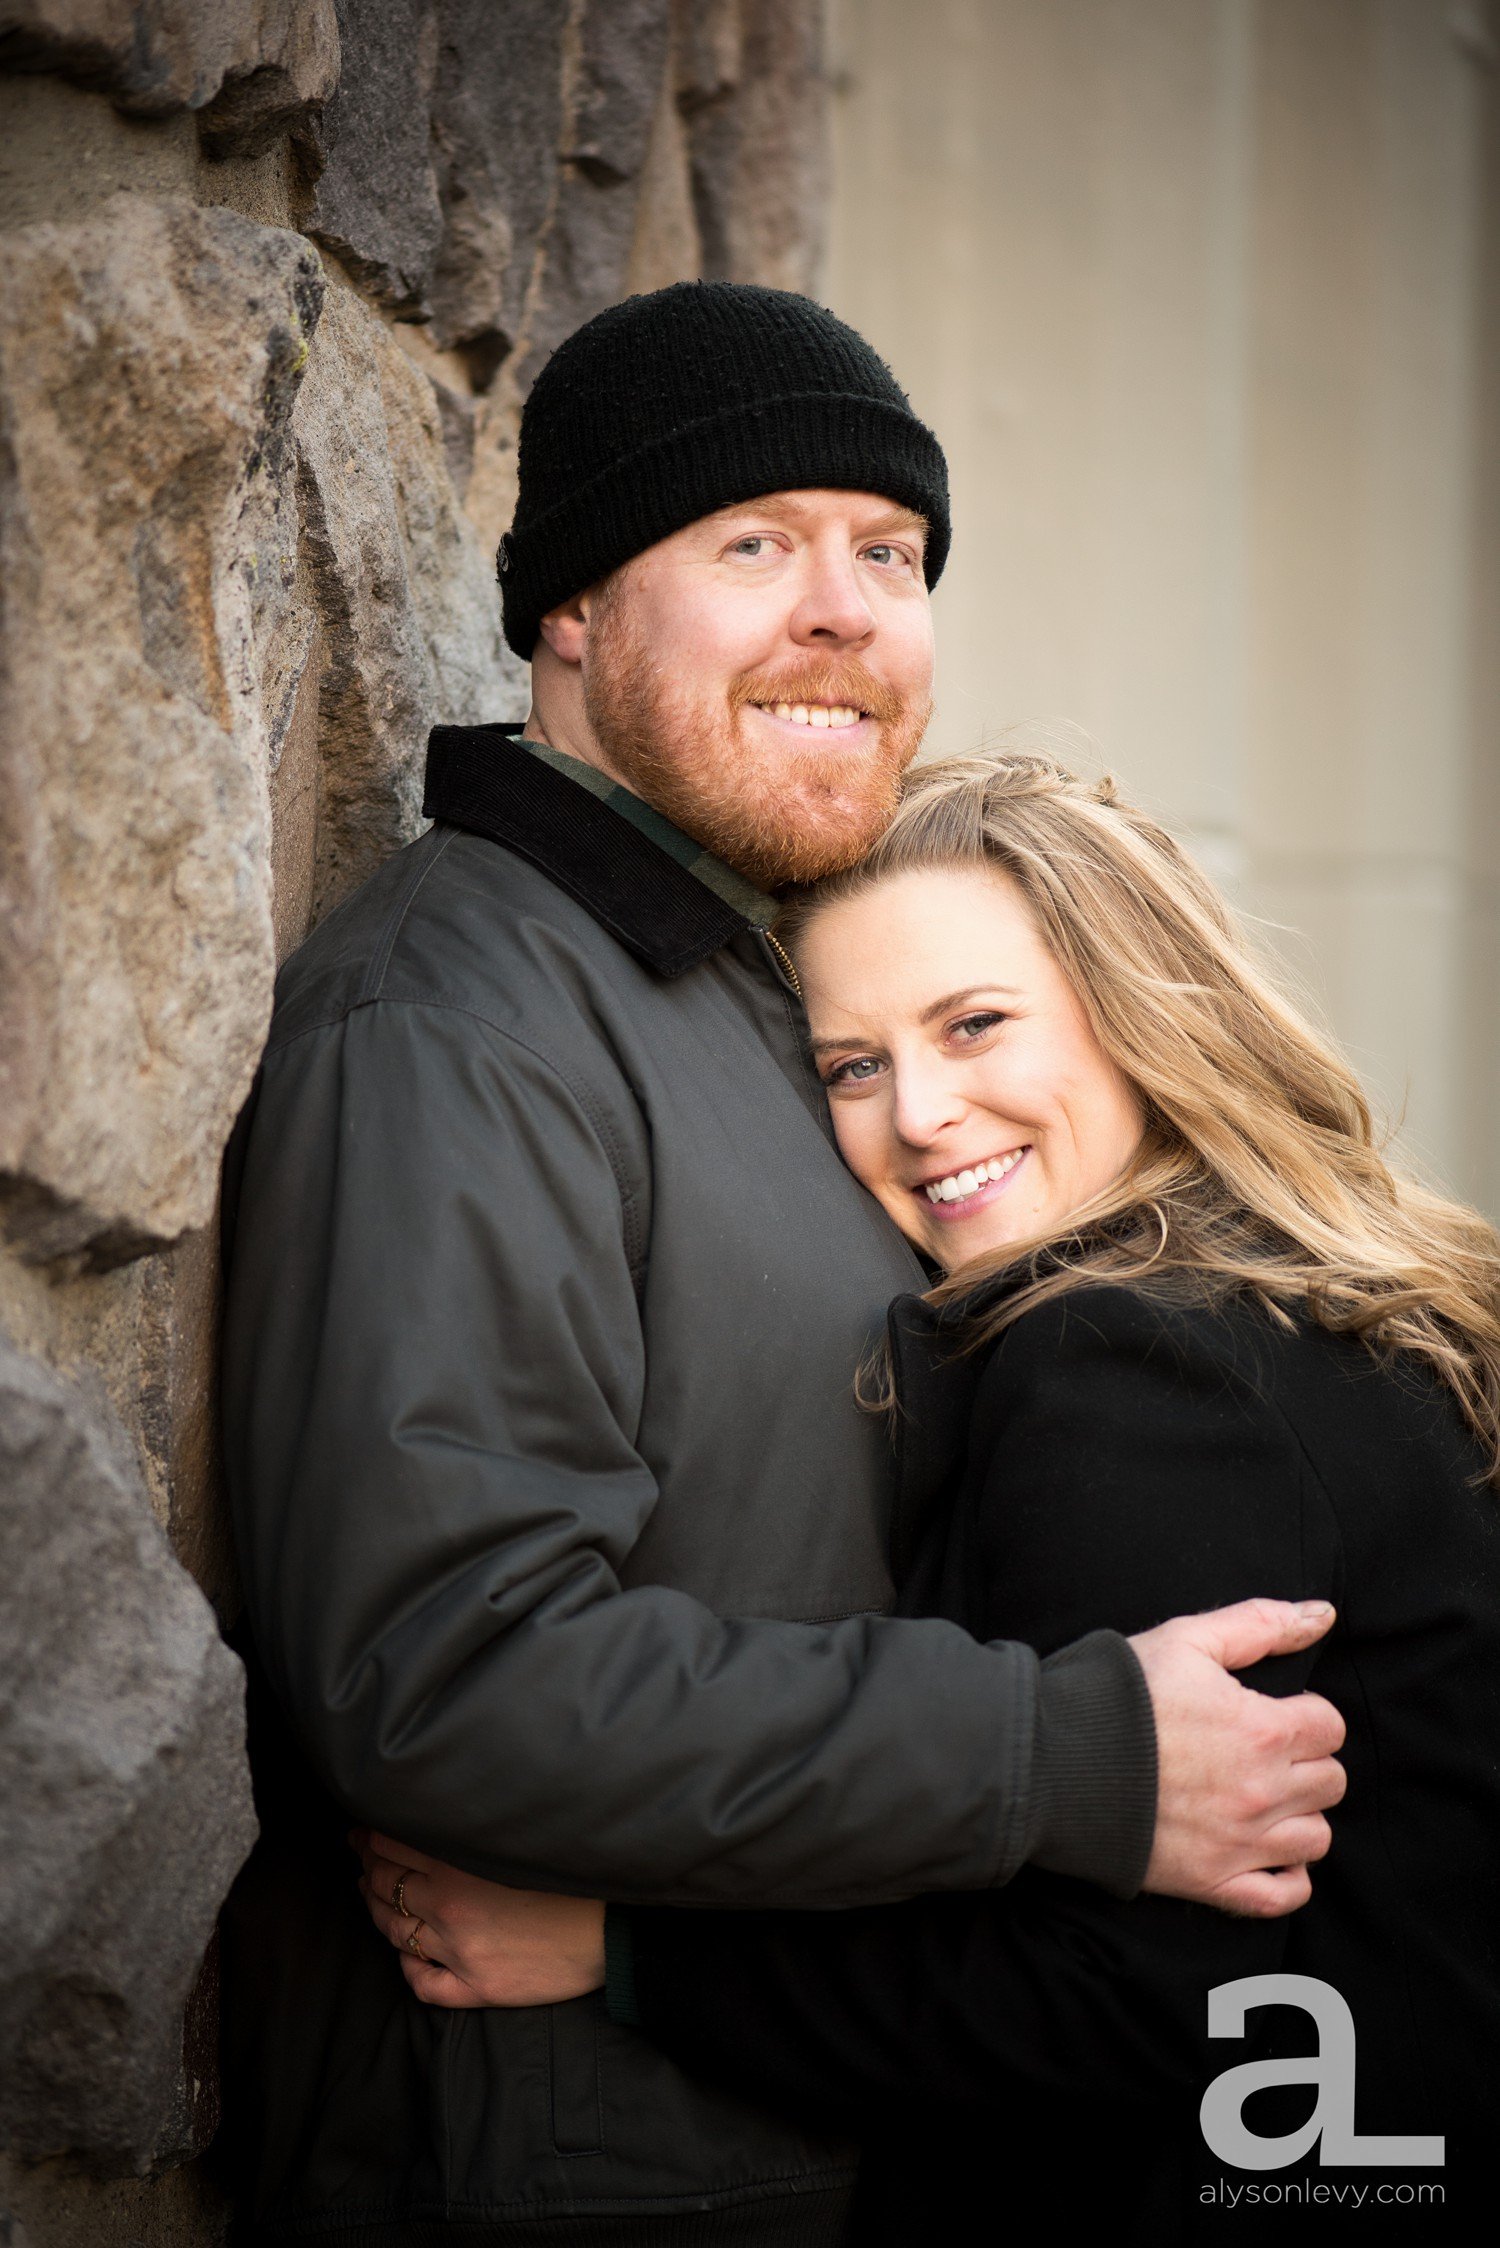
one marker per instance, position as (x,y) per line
(658,909)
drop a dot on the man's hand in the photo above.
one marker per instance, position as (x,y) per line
(1244,1777)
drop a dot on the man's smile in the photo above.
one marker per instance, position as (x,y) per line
(839,715)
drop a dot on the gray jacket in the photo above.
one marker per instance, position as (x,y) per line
(561,1533)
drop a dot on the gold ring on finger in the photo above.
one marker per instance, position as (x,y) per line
(398,1896)
(414,1940)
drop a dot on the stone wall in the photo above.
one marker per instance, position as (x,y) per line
(274,277)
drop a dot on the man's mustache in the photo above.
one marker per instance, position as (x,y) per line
(847,683)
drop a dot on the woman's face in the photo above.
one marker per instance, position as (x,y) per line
(968,1092)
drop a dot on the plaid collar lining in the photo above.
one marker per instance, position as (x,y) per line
(662,895)
(753,905)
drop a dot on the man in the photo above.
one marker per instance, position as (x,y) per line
(561,1531)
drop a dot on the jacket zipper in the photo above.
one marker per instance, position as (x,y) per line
(785,959)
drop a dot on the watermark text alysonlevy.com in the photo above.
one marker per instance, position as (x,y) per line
(1322,2193)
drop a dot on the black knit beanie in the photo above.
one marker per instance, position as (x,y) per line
(667,406)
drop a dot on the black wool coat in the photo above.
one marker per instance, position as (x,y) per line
(1041,2053)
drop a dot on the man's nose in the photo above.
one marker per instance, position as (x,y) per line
(832,609)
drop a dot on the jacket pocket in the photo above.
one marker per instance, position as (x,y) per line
(573,2068)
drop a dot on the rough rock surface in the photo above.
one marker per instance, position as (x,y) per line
(752,87)
(479,167)
(497,127)
(126,1801)
(437,157)
(406,591)
(148,366)
(247,557)
(248,66)
(376,201)
(617,70)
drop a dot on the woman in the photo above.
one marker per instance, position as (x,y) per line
(1196,1339)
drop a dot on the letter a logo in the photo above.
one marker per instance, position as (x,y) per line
(1331,2068)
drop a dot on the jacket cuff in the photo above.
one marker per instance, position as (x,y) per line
(619,1968)
(1094,1777)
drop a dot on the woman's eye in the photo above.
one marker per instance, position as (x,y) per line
(858,1070)
(968,1028)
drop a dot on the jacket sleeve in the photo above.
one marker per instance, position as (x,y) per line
(1128,1477)
(434,1371)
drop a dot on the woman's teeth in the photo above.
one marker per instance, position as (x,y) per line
(814,714)
(964,1183)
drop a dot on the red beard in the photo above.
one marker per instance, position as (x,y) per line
(777,814)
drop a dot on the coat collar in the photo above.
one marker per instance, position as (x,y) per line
(664,899)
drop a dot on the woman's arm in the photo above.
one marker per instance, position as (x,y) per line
(464,1942)
(1135,1466)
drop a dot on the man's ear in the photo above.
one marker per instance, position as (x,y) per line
(566,628)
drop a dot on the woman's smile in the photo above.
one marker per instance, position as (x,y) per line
(960,1194)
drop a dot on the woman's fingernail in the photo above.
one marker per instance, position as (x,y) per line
(1312,1608)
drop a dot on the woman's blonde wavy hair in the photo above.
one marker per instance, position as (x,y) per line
(1259,1167)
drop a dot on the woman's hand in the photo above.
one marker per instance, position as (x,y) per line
(466,1942)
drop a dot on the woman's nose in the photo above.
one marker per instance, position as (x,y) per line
(926,1102)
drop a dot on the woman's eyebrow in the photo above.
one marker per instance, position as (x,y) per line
(971,991)
(928,1014)
(830,1045)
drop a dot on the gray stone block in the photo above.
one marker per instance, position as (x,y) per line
(622,58)
(584,249)
(479,165)
(753,88)
(376,203)
(406,591)
(249,67)
(498,125)
(150,651)
(125,1804)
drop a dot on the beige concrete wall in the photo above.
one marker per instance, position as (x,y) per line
(1203,298)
